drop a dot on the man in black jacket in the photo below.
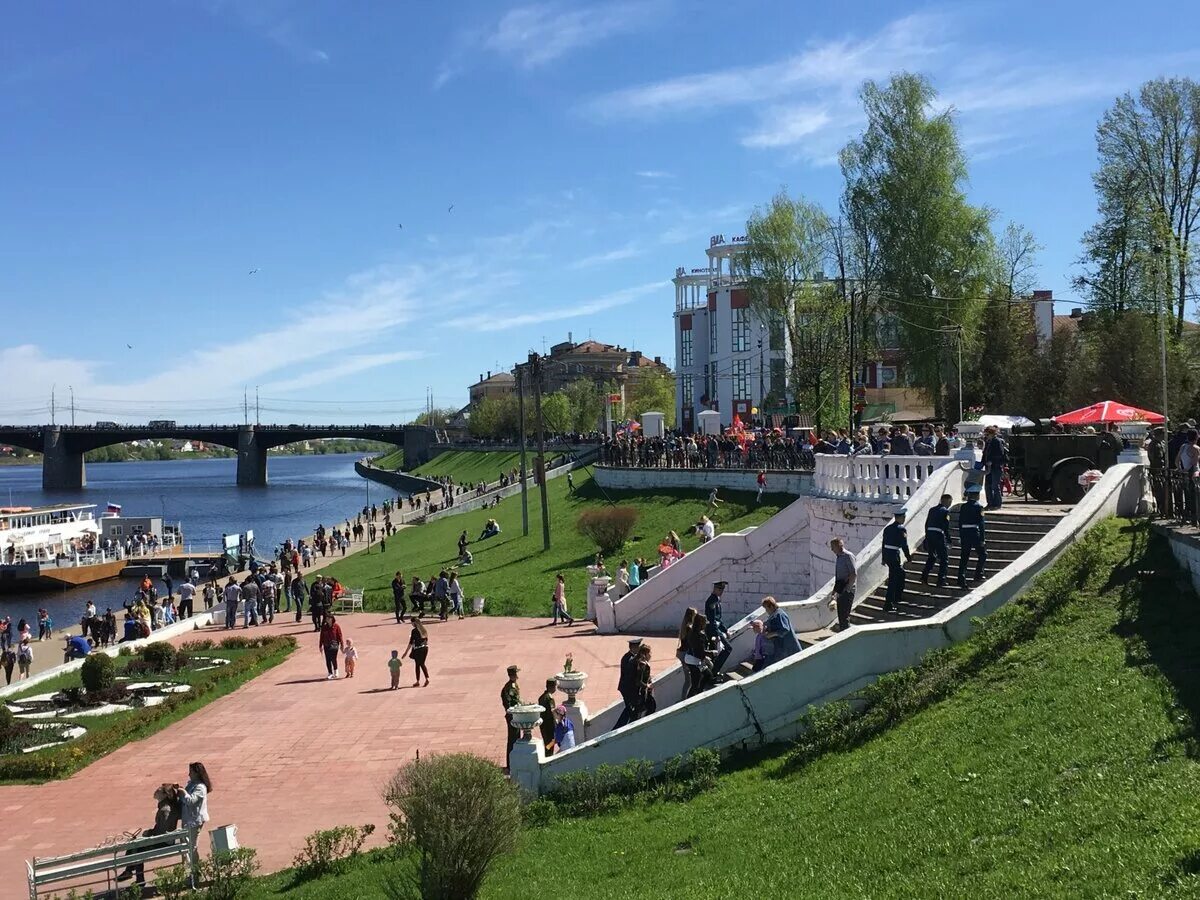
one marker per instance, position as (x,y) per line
(971,535)
(895,542)
(627,684)
(937,539)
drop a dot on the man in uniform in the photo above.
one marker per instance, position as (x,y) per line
(937,539)
(995,455)
(510,695)
(895,542)
(627,684)
(716,630)
(971,535)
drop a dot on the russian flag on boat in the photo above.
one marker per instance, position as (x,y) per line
(114,509)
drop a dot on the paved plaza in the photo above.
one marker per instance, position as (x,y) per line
(291,752)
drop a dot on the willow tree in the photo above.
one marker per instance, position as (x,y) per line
(905,189)
(787,246)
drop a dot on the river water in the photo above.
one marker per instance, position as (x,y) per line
(202,496)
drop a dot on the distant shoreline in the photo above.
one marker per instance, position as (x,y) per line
(37,460)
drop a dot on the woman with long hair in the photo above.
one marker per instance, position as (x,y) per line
(418,646)
(695,652)
(684,627)
(193,797)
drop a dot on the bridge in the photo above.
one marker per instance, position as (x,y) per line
(63,446)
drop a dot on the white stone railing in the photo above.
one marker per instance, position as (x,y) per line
(879,478)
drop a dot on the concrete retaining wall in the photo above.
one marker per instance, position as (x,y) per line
(1185,544)
(401,482)
(767,706)
(621,479)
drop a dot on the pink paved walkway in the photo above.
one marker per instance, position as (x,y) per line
(291,752)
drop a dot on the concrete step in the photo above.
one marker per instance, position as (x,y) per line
(808,638)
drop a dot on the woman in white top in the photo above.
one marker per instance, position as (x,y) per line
(193,798)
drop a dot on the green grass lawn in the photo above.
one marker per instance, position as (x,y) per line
(512,572)
(390,461)
(471,466)
(1066,768)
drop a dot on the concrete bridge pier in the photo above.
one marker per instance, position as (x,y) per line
(62,467)
(251,459)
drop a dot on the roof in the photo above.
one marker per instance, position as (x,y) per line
(498,378)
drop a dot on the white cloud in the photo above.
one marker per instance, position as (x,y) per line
(628,251)
(274,20)
(653,173)
(786,127)
(505,319)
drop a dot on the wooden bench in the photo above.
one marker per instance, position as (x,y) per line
(108,861)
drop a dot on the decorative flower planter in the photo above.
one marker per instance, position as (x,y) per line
(571,683)
(526,717)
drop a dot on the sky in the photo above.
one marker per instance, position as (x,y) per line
(344,207)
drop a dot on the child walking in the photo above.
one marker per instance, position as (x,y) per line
(351,654)
(394,665)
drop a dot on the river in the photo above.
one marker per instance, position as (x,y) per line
(202,496)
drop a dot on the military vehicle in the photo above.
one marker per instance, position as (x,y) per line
(1046,465)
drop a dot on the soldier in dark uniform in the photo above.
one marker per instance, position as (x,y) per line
(937,539)
(995,457)
(895,542)
(510,695)
(971,535)
(548,703)
(716,630)
(627,684)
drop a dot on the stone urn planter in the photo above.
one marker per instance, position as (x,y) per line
(525,718)
(571,683)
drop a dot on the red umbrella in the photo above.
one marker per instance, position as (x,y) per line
(1108,411)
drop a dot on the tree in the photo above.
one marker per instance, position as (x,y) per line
(1154,140)
(652,390)
(1116,258)
(438,417)
(786,249)
(932,250)
(587,404)
(485,418)
(556,413)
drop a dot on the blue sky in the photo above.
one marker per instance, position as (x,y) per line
(155,153)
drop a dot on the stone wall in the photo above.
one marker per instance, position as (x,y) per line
(622,479)
(856,522)
(1185,544)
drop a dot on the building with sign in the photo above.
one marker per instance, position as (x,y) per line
(730,361)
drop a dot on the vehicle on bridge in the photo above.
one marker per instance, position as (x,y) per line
(162,423)
(107,425)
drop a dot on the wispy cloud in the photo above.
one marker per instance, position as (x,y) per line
(653,174)
(505,319)
(628,251)
(537,34)
(361,362)
(274,20)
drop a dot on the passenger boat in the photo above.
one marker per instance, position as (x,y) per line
(47,547)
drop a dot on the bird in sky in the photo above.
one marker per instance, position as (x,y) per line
(130,346)
(254,271)
(401,227)
(451,207)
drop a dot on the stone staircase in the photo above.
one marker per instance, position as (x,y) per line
(1011,531)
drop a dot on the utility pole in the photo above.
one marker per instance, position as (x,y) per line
(535,362)
(521,431)
(245,407)
(257,417)
(850,354)
(52,421)
(71,388)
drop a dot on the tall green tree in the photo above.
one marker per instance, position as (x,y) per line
(1117,259)
(787,247)
(905,179)
(556,413)
(1153,139)
(652,390)
(587,404)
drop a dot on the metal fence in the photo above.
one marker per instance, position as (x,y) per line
(1177,495)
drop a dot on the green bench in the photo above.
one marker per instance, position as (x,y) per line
(101,865)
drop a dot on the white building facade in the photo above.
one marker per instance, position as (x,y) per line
(727,360)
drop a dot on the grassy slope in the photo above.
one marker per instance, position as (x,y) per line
(1066,769)
(512,572)
(390,461)
(470,466)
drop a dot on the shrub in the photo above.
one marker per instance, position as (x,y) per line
(329,850)
(125,651)
(227,873)
(608,528)
(8,722)
(235,643)
(99,672)
(199,644)
(159,657)
(459,813)
(173,882)
(608,787)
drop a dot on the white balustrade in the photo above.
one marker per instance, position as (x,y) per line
(881,478)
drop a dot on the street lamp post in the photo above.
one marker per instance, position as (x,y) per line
(958,331)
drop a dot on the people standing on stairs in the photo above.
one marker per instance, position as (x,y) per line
(777,628)
(695,654)
(895,542)
(627,684)
(546,726)
(758,656)
(564,730)
(717,633)
(685,628)
(510,696)
(646,702)
(995,457)
(845,578)
(971,535)
(937,540)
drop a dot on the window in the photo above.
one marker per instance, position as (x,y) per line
(778,377)
(887,376)
(705,396)
(685,351)
(686,392)
(741,379)
(741,330)
(775,329)
(713,349)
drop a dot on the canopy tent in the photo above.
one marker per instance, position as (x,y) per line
(1108,411)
